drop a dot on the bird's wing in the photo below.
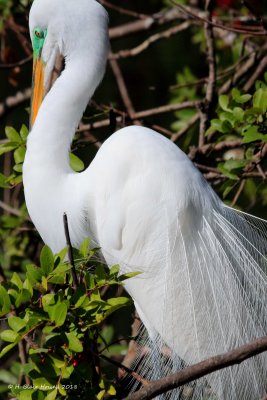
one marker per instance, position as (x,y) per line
(203,287)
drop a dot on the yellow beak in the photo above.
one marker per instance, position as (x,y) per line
(38,88)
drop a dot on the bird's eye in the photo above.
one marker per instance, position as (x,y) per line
(39,33)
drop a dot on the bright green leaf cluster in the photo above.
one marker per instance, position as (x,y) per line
(243,115)
(61,326)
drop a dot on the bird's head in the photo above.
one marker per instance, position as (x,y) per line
(70,29)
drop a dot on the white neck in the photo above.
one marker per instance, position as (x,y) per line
(59,115)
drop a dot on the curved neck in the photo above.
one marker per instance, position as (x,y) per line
(60,112)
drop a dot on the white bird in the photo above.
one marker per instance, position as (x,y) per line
(203,287)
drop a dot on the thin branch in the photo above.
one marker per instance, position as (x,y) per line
(210,91)
(121,85)
(16,64)
(144,114)
(156,19)
(11,210)
(125,369)
(13,101)
(233,357)
(167,108)
(259,71)
(152,39)
(70,252)
(184,130)
(238,193)
(210,147)
(121,10)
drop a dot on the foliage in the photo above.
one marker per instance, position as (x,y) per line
(241,116)
(61,326)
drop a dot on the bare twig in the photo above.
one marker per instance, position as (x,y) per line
(152,39)
(122,86)
(70,252)
(184,130)
(206,108)
(157,19)
(127,370)
(259,70)
(16,64)
(11,210)
(201,369)
(238,193)
(13,101)
(144,114)
(123,10)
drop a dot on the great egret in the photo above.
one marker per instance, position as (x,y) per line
(203,289)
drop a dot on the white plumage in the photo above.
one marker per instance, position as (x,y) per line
(203,288)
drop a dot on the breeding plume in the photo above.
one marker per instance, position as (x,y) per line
(203,287)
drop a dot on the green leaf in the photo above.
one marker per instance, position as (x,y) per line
(17,281)
(58,313)
(84,248)
(43,384)
(100,273)
(82,302)
(101,395)
(12,135)
(75,163)
(47,260)
(16,323)
(48,300)
(23,297)
(128,275)
(52,395)
(74,343)
(19,154)
(229,117)
(260,99)
(7,377)
(3,182)
(251,134)
(24,131)
(7,147)
(34,274)
(111,390)
(244,98)
(234,164)
(226,172)
(114,270)
(224,102)
(9,336)
(26,394)
(235,93)
(18,168)
(62,254)
(5,304)
(238,114)
(241,99)
(6,349)
(117,303)
(28,286)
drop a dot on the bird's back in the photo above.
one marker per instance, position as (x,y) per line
(202,290)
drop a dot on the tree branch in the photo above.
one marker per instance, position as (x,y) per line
(205,110)
(233,357)
(70,252)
